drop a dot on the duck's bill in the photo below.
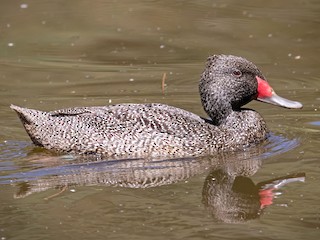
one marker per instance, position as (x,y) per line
(280,101)
(267,95)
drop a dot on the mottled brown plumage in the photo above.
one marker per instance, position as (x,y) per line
(158,130)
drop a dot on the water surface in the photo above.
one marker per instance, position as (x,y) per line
(57,54)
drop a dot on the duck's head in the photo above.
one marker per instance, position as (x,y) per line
(229,82)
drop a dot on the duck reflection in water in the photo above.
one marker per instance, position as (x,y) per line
(228,192)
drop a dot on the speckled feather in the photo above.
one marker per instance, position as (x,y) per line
(157,130)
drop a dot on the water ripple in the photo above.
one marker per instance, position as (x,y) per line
(39,165)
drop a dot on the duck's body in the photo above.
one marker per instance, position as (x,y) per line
(135,130)
(154,130)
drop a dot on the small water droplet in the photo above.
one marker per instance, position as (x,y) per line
(23,5)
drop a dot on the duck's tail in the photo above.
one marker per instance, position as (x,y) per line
(27,116)
(31,120)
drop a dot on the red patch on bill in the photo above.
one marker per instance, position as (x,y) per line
(264,89)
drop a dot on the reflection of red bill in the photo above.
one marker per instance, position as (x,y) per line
(266,197)
(267,189)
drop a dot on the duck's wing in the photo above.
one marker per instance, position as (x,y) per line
(70,111)
(137,117)
(130,112)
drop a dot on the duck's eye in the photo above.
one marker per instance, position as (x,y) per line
(237,73)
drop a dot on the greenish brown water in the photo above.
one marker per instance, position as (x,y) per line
(57,54)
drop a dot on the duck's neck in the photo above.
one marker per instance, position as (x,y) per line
(218,109)
(215,101)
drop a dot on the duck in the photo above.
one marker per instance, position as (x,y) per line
(155,130)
